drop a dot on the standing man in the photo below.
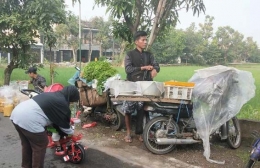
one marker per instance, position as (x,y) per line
(139,66)
(37,80)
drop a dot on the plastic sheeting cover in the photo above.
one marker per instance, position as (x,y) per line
(121,87)
(218,95)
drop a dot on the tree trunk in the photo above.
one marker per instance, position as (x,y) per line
(74,55)
(55,56)
(100,51)
(225,58)
(52,72)
(158,16)
(8,71)
(122,50)
(90,53)
(90,46)
(7,74)
(61,56)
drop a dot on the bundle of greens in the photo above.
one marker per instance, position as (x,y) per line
(100,71)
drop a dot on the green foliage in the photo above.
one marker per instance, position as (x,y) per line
(104,35)
(133,15)
(201,46)
(102,58)
(46,62)
(180,73)
(74,1)
(99,70)
(21,22)
(120,30)
(4,60)
(163,49)
(67,34)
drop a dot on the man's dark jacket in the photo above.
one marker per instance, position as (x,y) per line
(134,60)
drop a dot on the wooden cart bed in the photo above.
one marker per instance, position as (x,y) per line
(149,99)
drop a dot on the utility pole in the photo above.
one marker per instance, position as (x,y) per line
(90,44)
(113,53)
(80,36)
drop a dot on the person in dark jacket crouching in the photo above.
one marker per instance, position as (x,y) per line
(32,116)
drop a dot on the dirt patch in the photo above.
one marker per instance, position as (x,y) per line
(102,135)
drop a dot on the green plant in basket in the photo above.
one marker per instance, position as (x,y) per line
(100,71)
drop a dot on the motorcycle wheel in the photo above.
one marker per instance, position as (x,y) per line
(146,118)
(250,164)
(234,133)
(118,122)
(78,155)
(158,127)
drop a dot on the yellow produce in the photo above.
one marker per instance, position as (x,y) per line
(8,110)
(2,105)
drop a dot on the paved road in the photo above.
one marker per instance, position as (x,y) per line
(10,153)
(98,155)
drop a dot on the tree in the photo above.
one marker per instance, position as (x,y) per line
(212,54)
(224,38)
(153,16)
(206,29)
(104,33)
(250,49)
(67,34)
(238,47)
(255,57)
(193,42)
(74,1)
(169,49)
(20,22)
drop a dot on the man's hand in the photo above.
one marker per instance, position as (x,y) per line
(153,73)
(148,67)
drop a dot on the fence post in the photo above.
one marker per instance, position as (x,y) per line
(9,58)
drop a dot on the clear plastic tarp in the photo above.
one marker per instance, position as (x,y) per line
(218,95)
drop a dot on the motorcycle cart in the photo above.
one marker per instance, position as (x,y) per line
(172,120)
(100,106)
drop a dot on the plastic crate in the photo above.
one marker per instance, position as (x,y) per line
(178,92)
(177,83)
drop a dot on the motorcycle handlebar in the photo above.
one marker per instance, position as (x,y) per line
(77,68)
(28,91)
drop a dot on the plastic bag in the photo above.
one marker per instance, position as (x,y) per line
(107,84)
(8,107)
(8,92)
(77,77)
(218,95)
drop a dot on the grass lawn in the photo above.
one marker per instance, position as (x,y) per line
(251,110)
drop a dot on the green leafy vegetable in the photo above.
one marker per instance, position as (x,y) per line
(100,71)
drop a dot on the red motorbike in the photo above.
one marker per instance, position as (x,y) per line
(74,150)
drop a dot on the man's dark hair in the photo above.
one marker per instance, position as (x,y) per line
(31,70)
(139,34)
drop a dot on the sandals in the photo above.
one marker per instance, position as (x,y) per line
(128,139)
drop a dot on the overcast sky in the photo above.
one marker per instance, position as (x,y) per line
(241,15)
